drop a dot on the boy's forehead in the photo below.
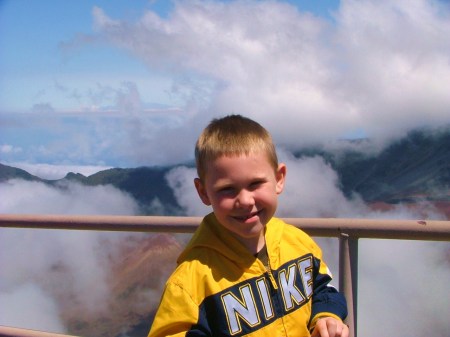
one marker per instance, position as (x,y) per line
(235,163)
(256,154)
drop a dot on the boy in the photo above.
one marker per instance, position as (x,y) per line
(244,272)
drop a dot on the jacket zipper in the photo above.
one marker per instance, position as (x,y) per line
(269,271)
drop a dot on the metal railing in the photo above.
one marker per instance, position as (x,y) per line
(348,231)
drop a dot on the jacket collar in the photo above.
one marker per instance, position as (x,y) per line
(212,235)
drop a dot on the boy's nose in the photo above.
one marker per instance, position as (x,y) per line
(245,199)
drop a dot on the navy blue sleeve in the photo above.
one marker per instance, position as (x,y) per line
(326,298)
(202,328)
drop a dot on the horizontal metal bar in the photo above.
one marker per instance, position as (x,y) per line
(326,227)
(6,331)
(127,223)
(432,230)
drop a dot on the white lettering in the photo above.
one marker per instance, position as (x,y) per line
(236,309)
(305,267)
(265,297)
(290,292)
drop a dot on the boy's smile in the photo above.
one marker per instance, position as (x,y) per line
(243,192)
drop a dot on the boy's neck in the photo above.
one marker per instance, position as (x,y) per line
(263,256)
(254,246)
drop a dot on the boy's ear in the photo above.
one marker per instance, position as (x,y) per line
(201,190)
(281,177)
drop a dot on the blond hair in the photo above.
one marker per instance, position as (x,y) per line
(233,135)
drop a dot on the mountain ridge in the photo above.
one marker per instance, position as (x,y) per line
(415,167)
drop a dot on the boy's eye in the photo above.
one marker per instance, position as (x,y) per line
(226,189)
(256,184)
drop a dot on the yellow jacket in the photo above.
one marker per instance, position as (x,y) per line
(220,289)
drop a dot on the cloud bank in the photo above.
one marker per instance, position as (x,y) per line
(64,198)
(312,191)
(378,69)
(39,267)
(375,68)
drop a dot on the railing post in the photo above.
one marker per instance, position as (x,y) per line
(348,277)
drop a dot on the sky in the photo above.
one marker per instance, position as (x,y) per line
(86,84)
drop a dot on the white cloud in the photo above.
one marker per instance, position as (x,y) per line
(395,58)
(181,181)
(7,149)
(41,269)
(379,68)
(312,190)
(64,198)
(303,77)
(403,288)
(37,310)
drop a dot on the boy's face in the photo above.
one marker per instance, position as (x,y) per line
(243,192)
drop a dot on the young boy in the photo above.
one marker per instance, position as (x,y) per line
(244,272)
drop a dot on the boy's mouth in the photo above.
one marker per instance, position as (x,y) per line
(246,216)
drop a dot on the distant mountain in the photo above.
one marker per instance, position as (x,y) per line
(8,172)
(414,167)
(143,183)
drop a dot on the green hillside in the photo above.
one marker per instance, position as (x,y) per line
(8,172)
(143,183)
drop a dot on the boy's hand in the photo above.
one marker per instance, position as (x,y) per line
(330,327)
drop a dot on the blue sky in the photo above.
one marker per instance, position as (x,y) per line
(129,83)
(33,54)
